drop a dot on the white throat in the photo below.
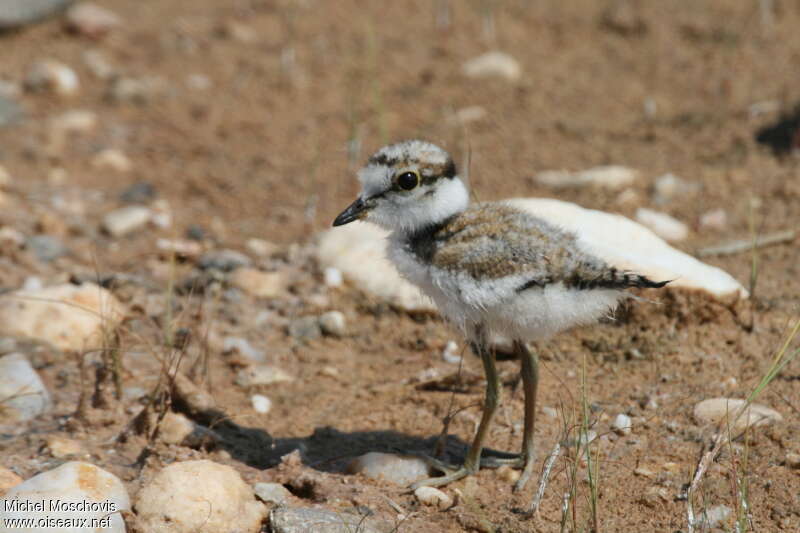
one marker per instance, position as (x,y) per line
(449,198)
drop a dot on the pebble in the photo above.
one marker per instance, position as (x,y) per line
(76,482)
(715,410)
(713,516)
(260,247)
(177,429)
(433,497)
(135,90)
(162,214)
(333,323)
(261,403)
(669,186)
(70,317)
(73,121)
(60,447)
(493,65)
(333,277)
(550,412)
(607,177)
(243,347)
(622,424)
(141,192)
(716,219)
(91,20)
(54,76)
(22,392)
(397,469)
(198,82)
(198,497)
(663,225)
(238,31)
(307,520)
(272,493)
(225,260)
(112,159)
(16,13)
(180,247)
(261,375)
(99,64)
(305,328)
(10,111)
(125,220)
(259,283)
(793,460)
(451,354)
(8,479)
(46,247)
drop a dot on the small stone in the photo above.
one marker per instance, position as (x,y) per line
(54,76)
(61,447)
(238,31)
(669,186)
(622,424)
(644,472)
(8,480)
(99,64)
(272,493)
(259,283)
(101,492)
(550,412)
(91,20)
(654,496)
(243,347)
(508,474)
(198,82)
(177,429)
(793,460)
(261,375)
(493,65)
(716,219)
(112,159)
(126,220)
(141,192)
(716,410)
(261,403)
(333,277)
(70,317)
(308,520)
(451,354)
(73,121)
(162,214)
(198,497)
(305,328)
(16,13)
(23,396)
(46,247)
(333,323)
(397,469)
(225,260)
(713,516)
(179,247)
(606,177)
(663,225)
(135,90)
(260,247)
(624,18)
(433,497)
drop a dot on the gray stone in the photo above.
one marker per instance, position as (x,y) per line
(15,13)
(305,328)
(243,347)
(272,493)
(10,111)
(305,519)
(46,247)
(126,220)
(225,260)
(23,396)
(333,323)
(140,192)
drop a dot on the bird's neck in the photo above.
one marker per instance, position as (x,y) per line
(449,199)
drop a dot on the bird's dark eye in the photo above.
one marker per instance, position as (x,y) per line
(408,180)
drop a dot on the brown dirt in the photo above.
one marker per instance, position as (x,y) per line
(263,153)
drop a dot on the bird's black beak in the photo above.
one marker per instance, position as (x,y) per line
(354,211)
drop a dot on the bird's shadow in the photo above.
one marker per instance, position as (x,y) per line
(782,136)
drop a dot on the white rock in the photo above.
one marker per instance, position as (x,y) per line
(398,469)
(176,428)
(261,375)
(622,424)
(272,493)
(91,19)
(99,64)
(126,220)
(663,225)
(198,82)
(333,323)
(23,396)
(550,411)
(333,277)
(73,121)
(258,283)
(357,250)
(433,496)
(198,497)
(607,177)
(261,403)
(715,219)
(260,247)
(311,520)
(714,516)
(91,491)
(493,65)
(716,410)
(180,247)
(451,354)
(670,186)
(243,347)
(70,317)
(162,214)
(52,75)
(112,159)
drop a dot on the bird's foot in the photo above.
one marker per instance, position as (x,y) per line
(454,473)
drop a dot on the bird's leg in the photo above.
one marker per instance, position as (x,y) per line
(529,368)
(473,460)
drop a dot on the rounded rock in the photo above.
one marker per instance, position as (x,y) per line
(398,469)
(333,323)
(54,76)
(622,424)
(23,396)
(261,403)
(726,410)
(433,497)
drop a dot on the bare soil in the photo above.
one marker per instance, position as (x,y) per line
(269,150)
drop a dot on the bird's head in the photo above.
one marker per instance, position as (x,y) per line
(407,186)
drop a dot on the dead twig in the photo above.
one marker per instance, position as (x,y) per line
(549,463)
(743,245)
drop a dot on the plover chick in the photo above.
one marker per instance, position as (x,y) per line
(490,268)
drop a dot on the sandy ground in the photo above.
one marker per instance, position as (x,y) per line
(268,149)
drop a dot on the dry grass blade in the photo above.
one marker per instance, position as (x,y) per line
(743,245)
